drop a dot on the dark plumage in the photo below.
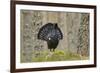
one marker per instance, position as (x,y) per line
(52,34)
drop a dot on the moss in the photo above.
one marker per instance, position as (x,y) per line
(58,55)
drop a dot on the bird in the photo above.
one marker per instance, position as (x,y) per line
(51,33)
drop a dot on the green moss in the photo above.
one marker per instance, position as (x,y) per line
(58,55)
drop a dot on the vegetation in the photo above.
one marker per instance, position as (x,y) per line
(58,55)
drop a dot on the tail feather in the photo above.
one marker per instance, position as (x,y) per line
(48,29)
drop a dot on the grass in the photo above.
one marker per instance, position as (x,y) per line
(58,55)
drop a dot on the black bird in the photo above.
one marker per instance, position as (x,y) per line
(51,33)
